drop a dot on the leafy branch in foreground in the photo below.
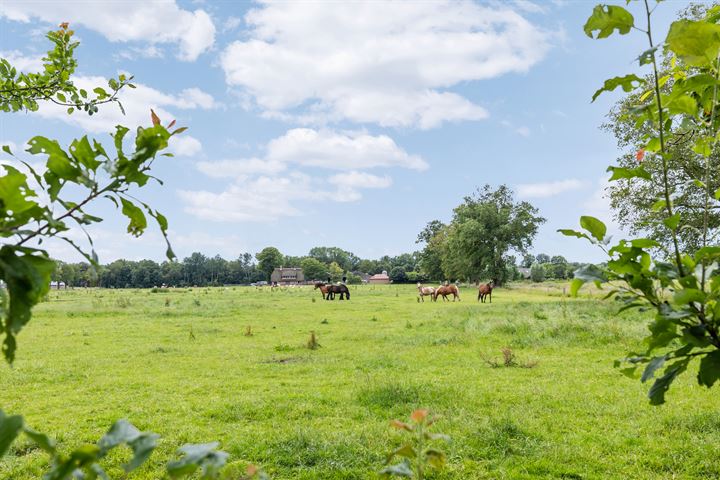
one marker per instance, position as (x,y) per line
(418,457)
(20,90)
(85,462)
(27,220)
(682,287)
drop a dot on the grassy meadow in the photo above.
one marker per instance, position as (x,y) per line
(179,363)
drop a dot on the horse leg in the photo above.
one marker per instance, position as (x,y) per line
(490,296)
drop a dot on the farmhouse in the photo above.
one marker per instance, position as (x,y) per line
(379,278)
(287,276)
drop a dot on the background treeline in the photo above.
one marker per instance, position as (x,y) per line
(321,263)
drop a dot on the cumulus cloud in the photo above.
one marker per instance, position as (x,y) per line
(23,62)
(262,199)
(155,22)
(328,149)
(185,145)
(548,189)
(389,63)
(270,187)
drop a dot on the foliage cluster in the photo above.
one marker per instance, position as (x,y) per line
(677,280)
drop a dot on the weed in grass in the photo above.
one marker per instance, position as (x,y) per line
(509,360)
(283,347)
(122,302)
(248,331)
(312,299)
(408,324)
(325,321)
(196,301)
(540,315)
(167,302)
(374,319)
(418,453)
(312,342)
(192,334)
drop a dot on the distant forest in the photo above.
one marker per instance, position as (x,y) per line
(320,263)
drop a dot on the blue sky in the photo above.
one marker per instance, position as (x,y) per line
(340,123)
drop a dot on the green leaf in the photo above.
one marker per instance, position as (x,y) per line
(138,222)
(709,371)
(695,42)
(683,104)
(596,228)
(572,233)
(575,286)
(625,173)
(652,366)
(406,451)
(27,277)
(647,56)
(672,222)
(197,456)
(6,149)
(435,458)
(42,440)
(662,384)
(644,243)
(628,84)
(605,19)
(398,470)
(688,295)
(10,428)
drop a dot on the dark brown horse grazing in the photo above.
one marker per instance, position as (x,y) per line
(341,289)
(324,290)
(446,290)
(485,290)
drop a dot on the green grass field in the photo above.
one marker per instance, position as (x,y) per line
(91,357)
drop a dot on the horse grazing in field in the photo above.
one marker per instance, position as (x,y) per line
(323,290)
(343,290)
(485,290)
(423,291)
(446,290)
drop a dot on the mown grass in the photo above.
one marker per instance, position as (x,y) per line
(179,363)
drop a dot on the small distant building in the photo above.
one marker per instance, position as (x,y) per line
(364,277)
(380,278)
(287,276)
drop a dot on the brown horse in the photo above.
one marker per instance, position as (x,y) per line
(485,290)
(446,290)
(342,289)
(423,291)
(326,294)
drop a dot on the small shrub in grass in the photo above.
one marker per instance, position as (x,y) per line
(418,454)
(312,342)
(509,360)
(122,302)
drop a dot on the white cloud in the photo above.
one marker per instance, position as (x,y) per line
(260,193)
(378,62)
(23,63)
(154,22)
(238,168)
(340,151)
(185,145)
(305,147)
(263,199)
(360,180)
(549,189)
(522,130)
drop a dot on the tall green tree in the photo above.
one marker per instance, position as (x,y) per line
(484,229)
(314,269)
(268,260)
(433,237)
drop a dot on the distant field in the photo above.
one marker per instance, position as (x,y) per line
(90,357)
